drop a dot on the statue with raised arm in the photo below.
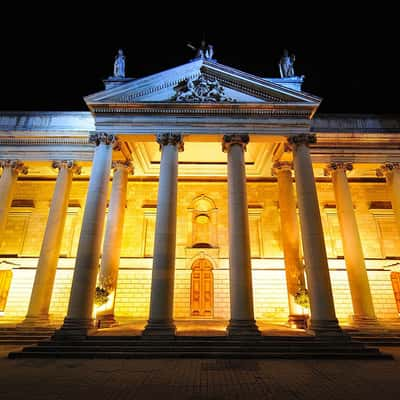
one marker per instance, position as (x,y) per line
(209,54)
(119,65)
(204,51)
(286,68)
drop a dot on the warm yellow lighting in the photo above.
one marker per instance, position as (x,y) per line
(104,307)
(202,219)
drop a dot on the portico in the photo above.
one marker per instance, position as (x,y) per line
(173,142)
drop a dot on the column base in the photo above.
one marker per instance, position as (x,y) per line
(326,328)
(242,328)
(75,329)
(40,321)
(159,328)
(365,323)
(298,321)
(106,321)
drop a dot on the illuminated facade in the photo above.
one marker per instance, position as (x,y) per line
(98,199)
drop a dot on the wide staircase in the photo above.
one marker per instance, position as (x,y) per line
(286,347)
(387,333)
(14,335)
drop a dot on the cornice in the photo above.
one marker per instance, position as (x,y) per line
(237,85)
(38,141)
(211,109)
(130,97)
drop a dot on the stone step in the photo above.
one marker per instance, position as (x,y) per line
(381,342)
(205,354)
(200,347)
(21,336)
(26,329)
(6,342)
(213,338)
(202,344)
(169,349)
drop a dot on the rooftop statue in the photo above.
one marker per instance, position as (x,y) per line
(205,52)
(286,68)
(119,65)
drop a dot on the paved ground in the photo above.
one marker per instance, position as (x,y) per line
(199,379)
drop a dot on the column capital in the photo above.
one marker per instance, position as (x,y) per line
(106,138)
(164,139)
(15,165)
(387,168)
(280,166)
(303,138)
(121,164)
(67,164)
(230,140)
(336,166)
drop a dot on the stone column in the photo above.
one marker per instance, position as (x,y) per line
(242,320)
(79,318)
(162,285)
(8,179)
(363,307)
(323,317)
(112,240)
(392,173)
(38,312)
(291,242)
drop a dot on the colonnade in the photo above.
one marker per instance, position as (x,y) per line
(79,319)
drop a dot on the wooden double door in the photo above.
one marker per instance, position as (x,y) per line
(5,282)
(202,289)
(395,276)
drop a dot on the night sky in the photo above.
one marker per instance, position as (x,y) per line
(349,58)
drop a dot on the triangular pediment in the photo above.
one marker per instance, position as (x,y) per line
(183,84)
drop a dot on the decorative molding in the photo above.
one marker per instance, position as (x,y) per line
(251,91)
(102,137)
(15,165)
(23,203)
(164,139)
(338,166)
(272,110)
(120,164)
(387,168)
(130,98)
(35,141)
(69,164)
(230,140)
(380,205)
(281,166)
(303,138)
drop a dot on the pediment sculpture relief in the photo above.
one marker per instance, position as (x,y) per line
(201,89)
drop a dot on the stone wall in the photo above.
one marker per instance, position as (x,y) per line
(27,220)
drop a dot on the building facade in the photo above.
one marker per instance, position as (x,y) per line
(201,192)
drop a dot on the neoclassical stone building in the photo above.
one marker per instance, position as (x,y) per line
(201,192)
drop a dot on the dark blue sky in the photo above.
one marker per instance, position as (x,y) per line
(50,62)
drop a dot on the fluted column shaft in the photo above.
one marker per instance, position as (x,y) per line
(8,179)
(47,265)
(242,320)
(112,240)
(323,316)
(79,317)
(392,174)
(162,284)
(291,241)
(363,307)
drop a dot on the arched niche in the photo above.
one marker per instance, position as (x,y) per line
(203,223)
